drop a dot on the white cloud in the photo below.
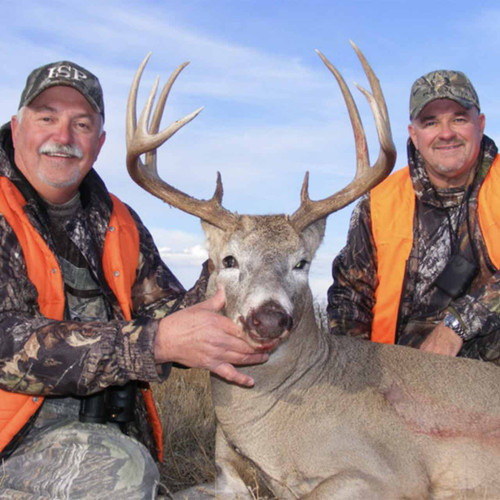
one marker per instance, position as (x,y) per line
(184,252)
(176,241)
(185,264)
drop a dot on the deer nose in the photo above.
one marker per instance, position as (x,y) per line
(269,320)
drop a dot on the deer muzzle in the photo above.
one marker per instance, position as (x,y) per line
(267,322)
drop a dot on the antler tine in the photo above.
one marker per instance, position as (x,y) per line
(154,138)
(158,113)
(143,139)
(155,122)
(131,118)
(366,176)
(383,127)
(377,103)
(359,132)
(374,81)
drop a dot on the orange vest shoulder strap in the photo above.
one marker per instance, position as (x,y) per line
(489,211)
(392,205)
(41,264)
(121,255)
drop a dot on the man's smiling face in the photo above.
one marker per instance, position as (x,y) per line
(448,136)
(57,139)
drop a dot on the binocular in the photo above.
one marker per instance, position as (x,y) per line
(113,404)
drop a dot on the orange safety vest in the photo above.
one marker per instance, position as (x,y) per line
(120,261)
(392,205)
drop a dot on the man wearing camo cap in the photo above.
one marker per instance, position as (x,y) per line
(89,313)
(421,263)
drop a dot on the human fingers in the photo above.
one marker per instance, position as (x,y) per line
(236,357)
(229,373)
(214,303)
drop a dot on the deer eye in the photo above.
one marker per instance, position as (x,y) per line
(301,264)
(229,261)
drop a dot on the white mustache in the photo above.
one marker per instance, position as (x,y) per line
(449,143)
(61,149)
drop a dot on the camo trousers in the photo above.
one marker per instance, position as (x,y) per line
(68,459)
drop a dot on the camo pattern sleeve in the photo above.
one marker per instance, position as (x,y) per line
(352,294)
(47,357)
(157,292)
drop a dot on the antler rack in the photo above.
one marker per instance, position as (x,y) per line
(143,137)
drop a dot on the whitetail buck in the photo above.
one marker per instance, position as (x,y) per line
(329,417)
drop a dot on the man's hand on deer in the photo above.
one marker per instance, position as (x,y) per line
(199,337)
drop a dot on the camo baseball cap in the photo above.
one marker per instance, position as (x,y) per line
(64,73)
(442,84)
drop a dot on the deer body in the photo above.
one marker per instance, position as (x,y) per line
(329,417)
(336,417)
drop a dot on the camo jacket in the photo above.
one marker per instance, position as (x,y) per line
(443,218)
(42,356)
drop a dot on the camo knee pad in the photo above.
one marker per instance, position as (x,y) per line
(79,460)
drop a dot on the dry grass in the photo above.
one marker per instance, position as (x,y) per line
(186,410)
(185,407)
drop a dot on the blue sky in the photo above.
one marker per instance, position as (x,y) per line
(272,110)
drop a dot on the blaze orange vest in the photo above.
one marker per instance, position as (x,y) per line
(120,261)
(392,205)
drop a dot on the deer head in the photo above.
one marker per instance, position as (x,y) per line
(262,261)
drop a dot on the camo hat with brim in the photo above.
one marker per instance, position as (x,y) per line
(64,73)
(442,84)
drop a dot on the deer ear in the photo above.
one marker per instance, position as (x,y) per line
(313,234)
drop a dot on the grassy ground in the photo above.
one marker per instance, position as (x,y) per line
(185,407)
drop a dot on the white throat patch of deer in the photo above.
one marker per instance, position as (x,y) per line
(329,417)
